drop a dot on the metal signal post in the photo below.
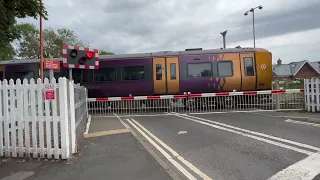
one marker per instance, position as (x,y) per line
(41,44)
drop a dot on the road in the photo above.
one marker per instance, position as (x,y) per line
(232,146)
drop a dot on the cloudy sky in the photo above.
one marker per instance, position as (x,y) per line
(290,29)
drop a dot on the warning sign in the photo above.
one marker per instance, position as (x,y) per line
(49,92)
(55,65)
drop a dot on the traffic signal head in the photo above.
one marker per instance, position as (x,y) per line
(83,58)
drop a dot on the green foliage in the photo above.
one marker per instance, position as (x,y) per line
(29,43)
(12,9)
(6,51)
(105,53)
(291,83)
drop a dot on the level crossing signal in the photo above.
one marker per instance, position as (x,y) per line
(80,57)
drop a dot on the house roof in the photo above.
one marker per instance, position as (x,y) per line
(294,67)
(316,65)
(282,70)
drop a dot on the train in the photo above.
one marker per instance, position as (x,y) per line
(162,73)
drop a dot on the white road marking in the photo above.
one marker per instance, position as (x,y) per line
(19,175)
(165,154)
(254,132)
(248,135)
(228,112)
(280,116)
(88,125)
(305,169)
(182,132)
(174,153)
(301,122)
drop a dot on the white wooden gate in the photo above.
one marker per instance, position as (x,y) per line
(32,126)
(312,95)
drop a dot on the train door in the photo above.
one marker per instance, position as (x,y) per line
(248,71)
(166,75)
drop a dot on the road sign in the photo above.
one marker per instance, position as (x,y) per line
(48,64)
(49,92)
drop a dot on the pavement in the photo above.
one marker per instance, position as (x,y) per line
(109,151)
(226,146)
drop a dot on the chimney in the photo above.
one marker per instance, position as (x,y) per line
(279,61)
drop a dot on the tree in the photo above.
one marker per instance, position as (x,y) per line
(12,9)
(52,41)
(105,53)
(6,52)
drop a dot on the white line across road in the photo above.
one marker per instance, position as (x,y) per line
(305,169)
(304,123)
(251,134)
(143,132)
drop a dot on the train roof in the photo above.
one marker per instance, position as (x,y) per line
(196,51)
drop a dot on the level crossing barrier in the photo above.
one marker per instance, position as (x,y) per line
(222,102)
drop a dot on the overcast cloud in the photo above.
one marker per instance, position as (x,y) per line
(290,29)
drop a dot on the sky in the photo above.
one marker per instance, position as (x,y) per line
(290,29)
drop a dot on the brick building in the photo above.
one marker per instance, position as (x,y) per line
(301,69)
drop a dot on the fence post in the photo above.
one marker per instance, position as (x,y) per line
(277,95)
(307,94)
(86,94)
(64,120)
(72,117)
(318,94)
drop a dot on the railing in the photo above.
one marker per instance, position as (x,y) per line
(78,112)
(198,103)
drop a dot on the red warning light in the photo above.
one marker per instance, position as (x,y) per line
(90,54)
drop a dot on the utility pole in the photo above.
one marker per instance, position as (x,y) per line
(224,33)
(254,33)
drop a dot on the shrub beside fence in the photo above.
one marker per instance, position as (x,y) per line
(32,126)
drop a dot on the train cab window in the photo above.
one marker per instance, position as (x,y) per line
(104,74)
(159,71)
(225,69)
(248,66)
(199,70)
(173,73)
(136,73)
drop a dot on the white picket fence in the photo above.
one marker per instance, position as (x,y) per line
(312,95)
(32,126)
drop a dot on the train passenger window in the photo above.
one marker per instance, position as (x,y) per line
(225,69)
(133,73)
(159,71)
(104,74)
(21,75)
(248,66)
(56,74)
(173,75)
(199,70)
